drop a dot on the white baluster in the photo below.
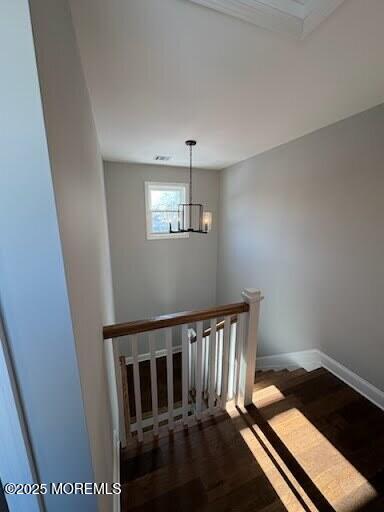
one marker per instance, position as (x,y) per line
(194,355)
(168,344)
(185,376)
(199,364)
(219,360)
(225,363)
(155,405)
(136,382)
(212,369)
(125,392)
(253,298)
(189,361)
(207,356)
(239,373)
(205,366)
(232,362)
(192,359)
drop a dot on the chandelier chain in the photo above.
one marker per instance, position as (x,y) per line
(190,185)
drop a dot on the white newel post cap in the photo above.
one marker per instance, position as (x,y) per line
(251,295)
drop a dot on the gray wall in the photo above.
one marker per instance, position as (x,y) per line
(304,222)
(153,277)
(79,192)
(33,290)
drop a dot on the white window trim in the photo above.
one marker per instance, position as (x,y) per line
(165,185)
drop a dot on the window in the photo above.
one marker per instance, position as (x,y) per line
(161,203)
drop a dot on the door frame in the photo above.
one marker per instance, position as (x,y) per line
(17,463)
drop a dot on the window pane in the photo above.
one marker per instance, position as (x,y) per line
(166,199)
(160,221)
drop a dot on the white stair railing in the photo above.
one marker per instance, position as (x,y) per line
(217,365)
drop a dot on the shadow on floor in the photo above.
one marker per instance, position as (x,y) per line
(352,424)
(210,467)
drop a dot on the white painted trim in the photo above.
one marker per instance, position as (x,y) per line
(136,386)
(318,15)
(365,388)
(258,13)
(312,359)
(17,462)
(285,16)
(167,236)
(116,469)
(307,359)
(166,186)
(253,298)
(147,356)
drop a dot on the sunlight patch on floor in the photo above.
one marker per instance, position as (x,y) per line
(335,477)
(267,396)
(270,461)
(327,467)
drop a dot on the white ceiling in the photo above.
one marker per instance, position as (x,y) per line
(162,71)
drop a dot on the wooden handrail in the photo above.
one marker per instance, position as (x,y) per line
(184,317)
(219,326)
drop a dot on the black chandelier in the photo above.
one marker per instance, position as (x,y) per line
(191,217)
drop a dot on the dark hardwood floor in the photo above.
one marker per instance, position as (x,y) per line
(309,443)
(145,386)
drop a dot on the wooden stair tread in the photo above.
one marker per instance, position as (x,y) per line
(303,378)
(260,376)
(275,377)
(270,374)
(296,377)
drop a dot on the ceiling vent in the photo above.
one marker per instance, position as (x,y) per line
(162,158)
(296,18)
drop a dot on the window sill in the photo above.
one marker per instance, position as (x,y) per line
(166,236)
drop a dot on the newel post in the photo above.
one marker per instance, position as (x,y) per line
(253,298)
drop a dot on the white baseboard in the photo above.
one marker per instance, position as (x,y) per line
(116,469)
(312,359)
(365,388)
(307,359)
